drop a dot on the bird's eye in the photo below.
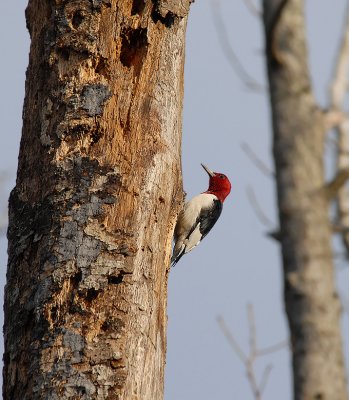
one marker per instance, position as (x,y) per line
(222,176)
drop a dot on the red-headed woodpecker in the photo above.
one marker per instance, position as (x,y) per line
(199,215)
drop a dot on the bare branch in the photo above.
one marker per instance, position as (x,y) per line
(252,379)
(229,53)
(276,235)
(265,378)
(231,340)
(252,330)
(338,228)
(338,92)
(336,183)
(273,349)
(250,359)
(340,79)
(253,352)
(261,165)
(333,118)
(257,209)
(253,8)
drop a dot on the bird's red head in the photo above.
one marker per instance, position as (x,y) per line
(219,184)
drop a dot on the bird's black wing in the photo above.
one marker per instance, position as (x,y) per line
(206,220)
(208,217)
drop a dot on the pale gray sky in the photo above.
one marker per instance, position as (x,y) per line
(236,263)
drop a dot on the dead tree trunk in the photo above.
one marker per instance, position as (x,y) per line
(311,300)
(97,194)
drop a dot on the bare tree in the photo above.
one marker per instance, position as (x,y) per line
(96,198)
(306,225)
(299,126)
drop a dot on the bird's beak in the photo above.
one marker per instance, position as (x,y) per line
(211,173)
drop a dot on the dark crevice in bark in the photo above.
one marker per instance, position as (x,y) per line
(76,279)
(170,12)
(137,7)
(77,19)
(116,279)
(134,44)
(112,324)
(91,295)
(168,20)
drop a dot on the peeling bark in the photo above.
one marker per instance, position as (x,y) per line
(97,194)
(311,300)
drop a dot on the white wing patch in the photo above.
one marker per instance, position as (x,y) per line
(193,240)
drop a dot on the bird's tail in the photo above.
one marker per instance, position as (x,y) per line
(178,252)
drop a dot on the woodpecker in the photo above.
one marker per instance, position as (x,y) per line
(199,215)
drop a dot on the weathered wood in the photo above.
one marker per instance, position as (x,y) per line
(311,300)
(97,195)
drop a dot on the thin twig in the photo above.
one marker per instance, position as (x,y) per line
(273,349)
(252,330)
(261,165)
(276,235)
(333,118)
(231,340)
(338,93)
(338,228)
(265,378)
(250,359)
(267,222)
(253,383)
(336,183)
(253,8)
(339,85)
(253,352)
(229,53)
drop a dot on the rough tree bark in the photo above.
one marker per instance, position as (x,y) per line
(312,305)
(97,194)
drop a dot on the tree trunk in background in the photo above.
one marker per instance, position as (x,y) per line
(311,300)
(97,194)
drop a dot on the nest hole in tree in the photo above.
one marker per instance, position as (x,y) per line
(91,295)
(64,53)
(134,43)
(115,280)
(77,19)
